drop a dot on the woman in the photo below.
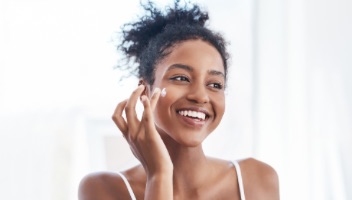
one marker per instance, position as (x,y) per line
(176,53)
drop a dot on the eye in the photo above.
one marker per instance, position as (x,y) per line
(180,78)
(218,86)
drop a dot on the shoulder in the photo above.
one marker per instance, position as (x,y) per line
(102,185)
(259,168)
(259,178)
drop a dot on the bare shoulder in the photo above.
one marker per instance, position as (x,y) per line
(260,179)
(102,185)
(261,169)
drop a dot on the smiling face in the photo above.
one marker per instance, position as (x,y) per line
(193,75)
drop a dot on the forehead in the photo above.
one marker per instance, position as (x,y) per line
(198,54)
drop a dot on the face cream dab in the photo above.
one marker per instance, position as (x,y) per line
(163,92)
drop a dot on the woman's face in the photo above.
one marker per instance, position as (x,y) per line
(193,76)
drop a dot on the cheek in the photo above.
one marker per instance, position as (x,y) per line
(164,108)
(220,106)
(171,96)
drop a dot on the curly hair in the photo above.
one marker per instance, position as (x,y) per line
(148,40)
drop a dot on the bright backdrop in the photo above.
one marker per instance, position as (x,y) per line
(288,100)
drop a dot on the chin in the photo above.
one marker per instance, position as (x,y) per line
(186,138)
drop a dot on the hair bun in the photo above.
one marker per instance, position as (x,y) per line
(137,35)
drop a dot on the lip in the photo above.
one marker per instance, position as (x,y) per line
(193,122)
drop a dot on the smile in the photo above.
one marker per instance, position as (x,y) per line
(193,114)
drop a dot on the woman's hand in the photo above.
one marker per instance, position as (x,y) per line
(142,136)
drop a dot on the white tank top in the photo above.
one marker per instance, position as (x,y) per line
(239,179)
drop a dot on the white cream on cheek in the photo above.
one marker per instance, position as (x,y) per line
(163,92)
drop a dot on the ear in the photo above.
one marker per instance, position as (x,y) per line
(147,87)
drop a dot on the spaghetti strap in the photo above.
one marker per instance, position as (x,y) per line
(129,188)
(239,179)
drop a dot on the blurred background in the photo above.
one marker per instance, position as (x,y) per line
(287,99)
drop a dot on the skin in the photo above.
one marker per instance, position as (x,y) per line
(169,145)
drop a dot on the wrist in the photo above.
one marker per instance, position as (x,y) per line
(161,175)
(159,187)
(161,171)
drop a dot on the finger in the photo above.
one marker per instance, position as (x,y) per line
(130,108)
(118,119)
(147,119)
(154,99)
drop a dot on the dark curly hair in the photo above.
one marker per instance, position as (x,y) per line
(151,38)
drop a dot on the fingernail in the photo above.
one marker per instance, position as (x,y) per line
(143,98)
(156,90)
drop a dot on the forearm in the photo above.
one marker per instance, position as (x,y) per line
(159,187)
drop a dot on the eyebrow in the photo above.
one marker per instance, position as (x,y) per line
(190,69)
(180,66)
(216,73)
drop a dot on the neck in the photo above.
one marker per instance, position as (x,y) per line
(190,165)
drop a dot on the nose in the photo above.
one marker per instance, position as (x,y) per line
(198,94)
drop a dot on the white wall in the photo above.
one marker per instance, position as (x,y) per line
(303,94)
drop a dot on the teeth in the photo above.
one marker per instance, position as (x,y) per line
(191,113)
